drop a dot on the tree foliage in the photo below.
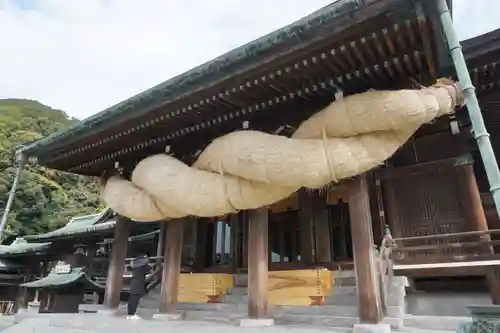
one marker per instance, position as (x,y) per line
(45,199)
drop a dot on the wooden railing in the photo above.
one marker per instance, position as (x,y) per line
(7,307)
(154,279)
(473,248)
(153,261)
(153,276)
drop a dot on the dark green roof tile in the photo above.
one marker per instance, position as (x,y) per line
(81,225)
(57,280)
(20,246)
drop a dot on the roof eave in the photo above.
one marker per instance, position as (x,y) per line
(250,54)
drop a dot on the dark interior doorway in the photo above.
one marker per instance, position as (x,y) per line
(340,232)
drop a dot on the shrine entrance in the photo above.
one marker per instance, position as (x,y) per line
(340,232)
(316,233)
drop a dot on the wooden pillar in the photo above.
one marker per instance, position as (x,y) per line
(377,207)
(244,223)
(306,221)
(161,243)
(201,244)
(23,292)
(22,299)
(43,301)
(116,268)
(257,262)
(322,227)
(370,309)
(43,295)
(90,253)
(160,249)
(234,223)
(473,206)
(189,241)
(172,264)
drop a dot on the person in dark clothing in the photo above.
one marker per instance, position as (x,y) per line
(140,266)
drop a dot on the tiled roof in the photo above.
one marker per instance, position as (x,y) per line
(20,246)
(55,280)
(81,225)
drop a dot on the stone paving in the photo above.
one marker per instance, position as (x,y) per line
(105,323)
(100,323)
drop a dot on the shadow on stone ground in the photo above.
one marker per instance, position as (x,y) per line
(100,323)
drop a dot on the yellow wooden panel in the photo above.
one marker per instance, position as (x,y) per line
(299,287)
(204,287)
(224,282)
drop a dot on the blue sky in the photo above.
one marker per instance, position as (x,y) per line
(84,55)
(26,4)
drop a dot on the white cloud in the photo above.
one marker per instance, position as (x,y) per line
(85,55)
(474,18)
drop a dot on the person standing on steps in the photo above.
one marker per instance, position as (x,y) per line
(140,266)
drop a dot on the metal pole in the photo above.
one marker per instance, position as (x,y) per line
(481,135)
(21,159)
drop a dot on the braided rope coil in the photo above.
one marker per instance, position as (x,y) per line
(251,169)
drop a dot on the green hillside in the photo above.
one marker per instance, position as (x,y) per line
(45,198)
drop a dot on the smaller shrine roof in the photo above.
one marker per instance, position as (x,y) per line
(20,246)
(55,280)
(81,225)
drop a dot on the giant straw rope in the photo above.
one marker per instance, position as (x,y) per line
(251,169)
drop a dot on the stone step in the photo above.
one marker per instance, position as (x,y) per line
(345,300)
(344,290)
(235,298)
(346,296)
(239,291)
(344,278)
(216,307)
(345,281)
(340,296)
(323,310)
(225,308)
(419,330)
(323,321)
(241,280)
(438,323)
(214,316)
(331,321)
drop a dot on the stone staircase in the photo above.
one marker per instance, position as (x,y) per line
(340,309)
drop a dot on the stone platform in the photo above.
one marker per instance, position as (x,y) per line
(99,323)
(105,323)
